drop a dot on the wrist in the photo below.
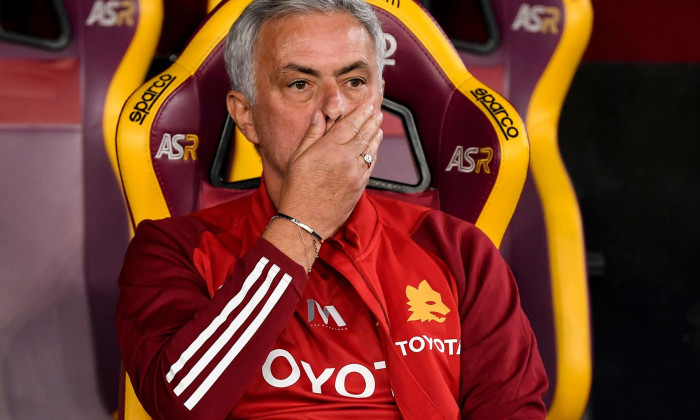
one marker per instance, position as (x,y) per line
(301,225)
(312,218)
(293,238)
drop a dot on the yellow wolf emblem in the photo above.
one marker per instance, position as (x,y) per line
(425,303)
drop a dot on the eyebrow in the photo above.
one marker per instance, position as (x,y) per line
(354,66)
(312,72)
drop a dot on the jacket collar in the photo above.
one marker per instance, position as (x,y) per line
(261,207)
(358,232)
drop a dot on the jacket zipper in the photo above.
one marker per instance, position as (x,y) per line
(370,287)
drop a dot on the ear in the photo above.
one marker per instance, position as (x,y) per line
(411,292)
(242,114)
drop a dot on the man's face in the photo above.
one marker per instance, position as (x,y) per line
(305,63)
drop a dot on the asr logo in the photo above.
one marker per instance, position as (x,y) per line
(112,13)
(425,303)
(178,147)
(464,160)
(537,19)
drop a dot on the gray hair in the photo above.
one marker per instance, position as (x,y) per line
(240,45)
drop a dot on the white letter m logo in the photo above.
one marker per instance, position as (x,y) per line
(326,313)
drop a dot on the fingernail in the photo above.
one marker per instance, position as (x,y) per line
(314,118)
(370,109)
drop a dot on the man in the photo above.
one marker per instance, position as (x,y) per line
(310,298)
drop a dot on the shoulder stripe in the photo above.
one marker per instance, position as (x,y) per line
(225,337)
(242,341)
(216,323)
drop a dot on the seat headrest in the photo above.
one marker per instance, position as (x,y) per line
(466,129)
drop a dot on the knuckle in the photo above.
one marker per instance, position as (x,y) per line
(363,137)
(353,124)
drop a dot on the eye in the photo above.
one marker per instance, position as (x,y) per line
(298,84)
(356,82)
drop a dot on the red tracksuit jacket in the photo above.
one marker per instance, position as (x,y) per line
(203,299)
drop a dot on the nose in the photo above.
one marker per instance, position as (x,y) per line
(333,106)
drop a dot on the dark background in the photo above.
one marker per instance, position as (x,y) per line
(629,135)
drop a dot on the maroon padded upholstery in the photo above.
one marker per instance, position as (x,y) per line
(197,107)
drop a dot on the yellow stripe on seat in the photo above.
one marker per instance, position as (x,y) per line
(131,71)
(562,218)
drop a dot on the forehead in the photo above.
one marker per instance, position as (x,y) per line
(315,40)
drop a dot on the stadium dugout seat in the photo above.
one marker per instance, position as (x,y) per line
(529,53)
(465,148)
(68,66)
(122,42)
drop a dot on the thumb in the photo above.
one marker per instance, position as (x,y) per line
(316,130)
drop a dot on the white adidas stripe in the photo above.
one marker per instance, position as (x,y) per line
(225,337)
(240,344)
(216,322)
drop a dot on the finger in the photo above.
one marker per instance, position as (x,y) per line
(316,130)
(367,133)
(373,148)
(347,128)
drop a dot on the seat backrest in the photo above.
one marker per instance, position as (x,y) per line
(530,57)
(467,142)
(180,115)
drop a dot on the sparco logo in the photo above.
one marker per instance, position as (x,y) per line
(464,160)
(112,13)
(143,107)
(178,146)
(537,19)
(497,111)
